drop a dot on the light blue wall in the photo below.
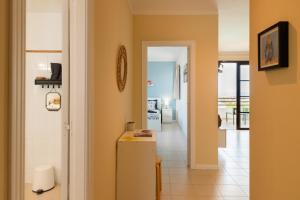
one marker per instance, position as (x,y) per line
(162,74)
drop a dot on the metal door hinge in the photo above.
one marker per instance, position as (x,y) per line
(67,127)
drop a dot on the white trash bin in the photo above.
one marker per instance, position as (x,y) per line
(43,179)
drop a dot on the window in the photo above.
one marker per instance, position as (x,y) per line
(234,94)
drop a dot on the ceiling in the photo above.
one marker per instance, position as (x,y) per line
(163,54)
(233,17)
(233,25)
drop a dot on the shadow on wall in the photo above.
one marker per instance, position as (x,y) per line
(288,75)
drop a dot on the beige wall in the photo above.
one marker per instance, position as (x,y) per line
(204,31)
(112,26)
(275,109)
(234,56)
(4,34)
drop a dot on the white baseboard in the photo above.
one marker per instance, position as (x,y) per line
(205,167)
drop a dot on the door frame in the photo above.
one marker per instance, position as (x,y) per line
(238,94)
(76,129)
(191,115)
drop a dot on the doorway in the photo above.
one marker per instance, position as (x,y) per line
(234,94)
(167,85)
(176,106)
(233,109)
(48,91)
(43,96)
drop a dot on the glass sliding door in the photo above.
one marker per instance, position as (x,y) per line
(227,99)
(243,95)
(234,94)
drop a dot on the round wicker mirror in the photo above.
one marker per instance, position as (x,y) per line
(122,68)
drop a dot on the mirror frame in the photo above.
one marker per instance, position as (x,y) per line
(122,63)
(46,102)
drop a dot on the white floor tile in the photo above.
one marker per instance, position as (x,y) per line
(230,182)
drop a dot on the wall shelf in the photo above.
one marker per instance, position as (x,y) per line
(44,51)
(48,83)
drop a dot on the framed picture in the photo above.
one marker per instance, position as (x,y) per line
(273,47)
(53,101)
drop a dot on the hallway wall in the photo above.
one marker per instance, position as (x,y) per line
(203,29)
(162,76)
(111,25)
(4,63)
(275,108)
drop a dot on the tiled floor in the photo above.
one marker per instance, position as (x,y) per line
(53,194)
(230,182)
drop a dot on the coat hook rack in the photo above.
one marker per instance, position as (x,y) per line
(48,83)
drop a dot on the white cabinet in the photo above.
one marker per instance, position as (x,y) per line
(136,170)
(167,115)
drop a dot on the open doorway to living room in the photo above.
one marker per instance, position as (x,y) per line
(234,111)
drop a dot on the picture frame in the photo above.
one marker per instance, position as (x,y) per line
(53,101)
(273,47)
